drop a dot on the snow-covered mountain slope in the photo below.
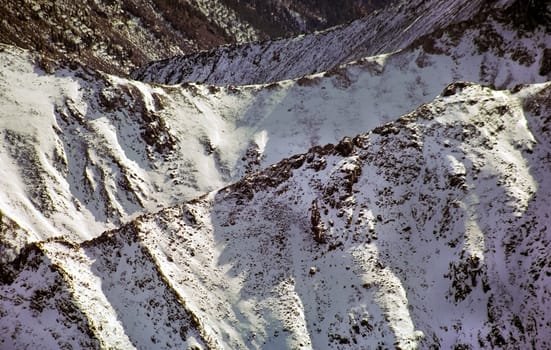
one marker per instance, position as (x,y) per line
(431,231)
(384,31)
(82,150)
(97,149)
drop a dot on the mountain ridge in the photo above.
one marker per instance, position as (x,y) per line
(373,214)
(118,147)
(119,36)
(384,31)
(141,215)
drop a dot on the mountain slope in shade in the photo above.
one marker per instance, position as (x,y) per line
(98,149)
(384,31)
(118,36)
(281,18)
(430,231)
(277,18)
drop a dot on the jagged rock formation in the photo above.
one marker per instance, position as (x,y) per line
(436,235)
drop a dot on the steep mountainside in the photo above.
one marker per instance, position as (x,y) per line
(135,214)
(98,149)
(117,36)
(385,31)
(283,17)
(430,231)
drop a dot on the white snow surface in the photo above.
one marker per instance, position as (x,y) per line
(429,231)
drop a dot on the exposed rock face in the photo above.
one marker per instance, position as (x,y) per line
(317,227)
